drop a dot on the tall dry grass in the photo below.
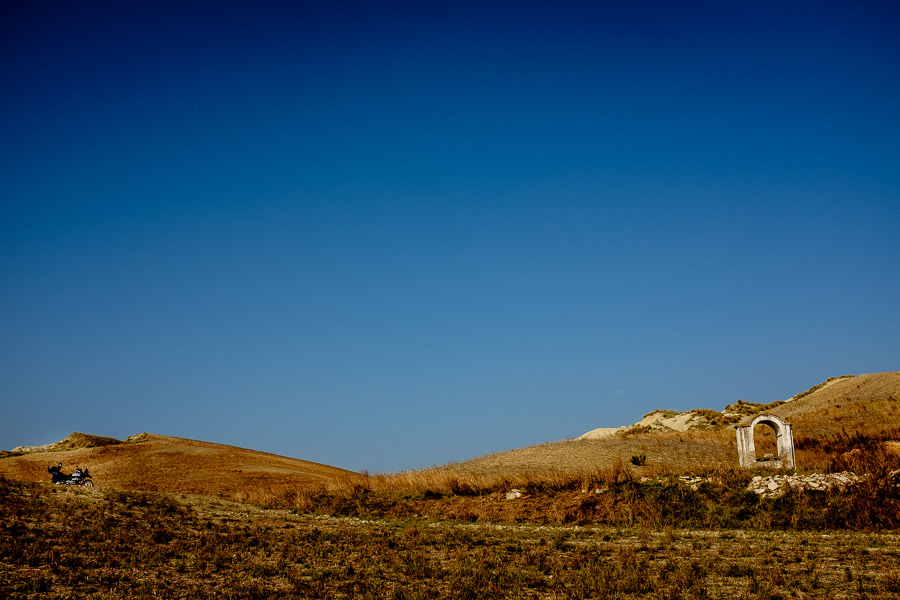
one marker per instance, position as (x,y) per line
(618,492)
(59,544)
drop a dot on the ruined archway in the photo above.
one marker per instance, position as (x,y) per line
(784,443)
(765,442)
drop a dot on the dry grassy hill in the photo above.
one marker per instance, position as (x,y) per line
(864,404)
(828,420)
(460,531)
(159,463)
(835,414)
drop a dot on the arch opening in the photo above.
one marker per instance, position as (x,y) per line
(765,441)
(760,451)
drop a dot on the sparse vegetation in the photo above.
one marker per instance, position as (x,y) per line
(61,543)
(818,387)
(715,419)
(72,442)
(564,520)
(616,497)
(635,431)
(748,409)
(665,414)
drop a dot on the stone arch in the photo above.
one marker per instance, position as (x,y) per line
(765,441)
(784,442)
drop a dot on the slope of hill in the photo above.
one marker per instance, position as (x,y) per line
(848,407)
(863,404)
(839,404)
(159,463)
(72,442)
(828,419)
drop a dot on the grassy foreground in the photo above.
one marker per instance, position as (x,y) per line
(639,515)
(70,543)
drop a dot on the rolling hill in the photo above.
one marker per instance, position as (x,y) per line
(864,404)
(830,418)
(850,402)
(159,463)
(843,410)
(596,531)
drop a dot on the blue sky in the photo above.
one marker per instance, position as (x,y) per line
(384,236)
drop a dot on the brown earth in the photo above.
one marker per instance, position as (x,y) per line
(159,463)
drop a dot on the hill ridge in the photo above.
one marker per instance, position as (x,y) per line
(841,413)
(72,441)
(703,419)
(160,463)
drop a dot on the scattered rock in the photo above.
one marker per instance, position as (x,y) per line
(769,486)
(692,482)
(774,485)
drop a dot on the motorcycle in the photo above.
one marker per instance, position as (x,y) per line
(79,477)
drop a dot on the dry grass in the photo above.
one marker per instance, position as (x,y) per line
(65,543)
(828,420)
(844,411)
(664,451)
(864,404)
(168,464)
(585,525)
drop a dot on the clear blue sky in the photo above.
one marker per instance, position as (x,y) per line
(384,236)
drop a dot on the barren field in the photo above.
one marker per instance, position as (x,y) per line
(639,515)
(67,543)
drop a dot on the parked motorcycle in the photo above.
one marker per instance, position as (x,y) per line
(79,477)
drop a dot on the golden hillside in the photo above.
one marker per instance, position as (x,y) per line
(840,411)
(864,404)
(160,463)
(828,419)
